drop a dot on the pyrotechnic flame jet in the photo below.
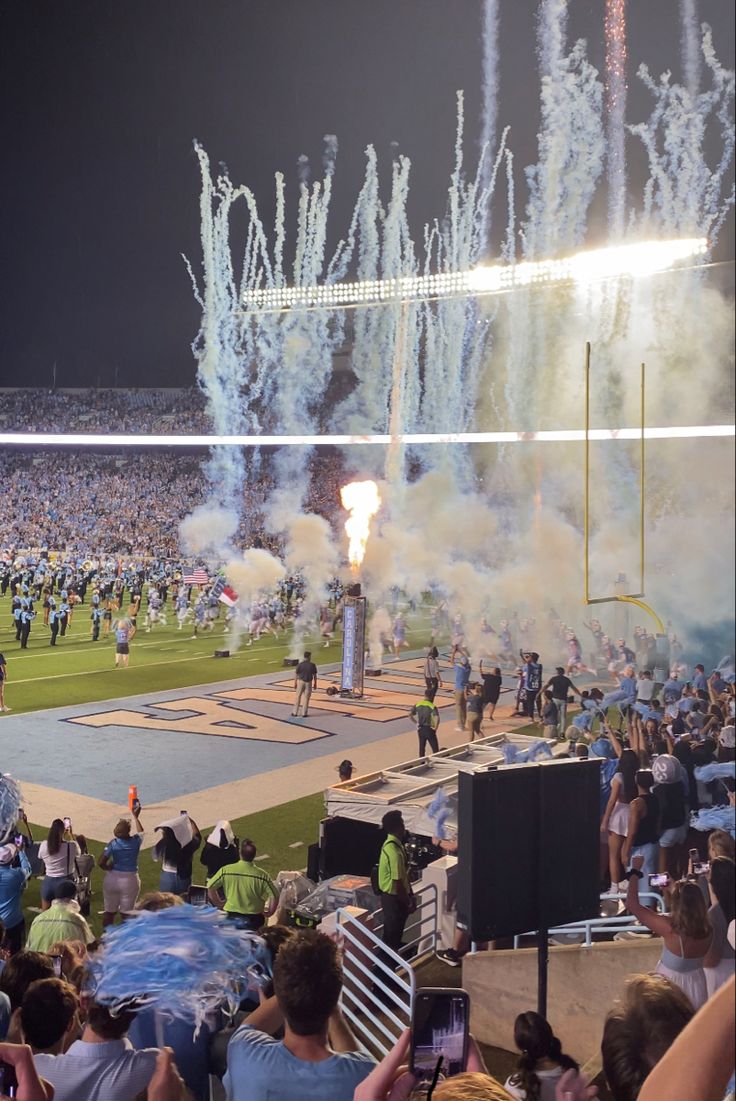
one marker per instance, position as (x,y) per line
(362,501)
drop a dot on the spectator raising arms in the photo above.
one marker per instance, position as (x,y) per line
(59,855)
(119,861)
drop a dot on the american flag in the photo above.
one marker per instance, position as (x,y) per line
(196,577)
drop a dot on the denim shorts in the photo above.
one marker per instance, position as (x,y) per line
(675,835)
(49,885)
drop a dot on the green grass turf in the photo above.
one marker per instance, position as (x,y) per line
(273,831)
(78,670)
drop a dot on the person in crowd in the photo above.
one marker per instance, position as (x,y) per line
(671,792)
(102,1065)
(531,682)
(461,666)
(58,852)
(474,709)
(542,1061)
(720,959)
(642,837)
(15,871)
(49,1016)
(4,709)
(124,634)
(550,716)
(615,822)
(221,847)
(721,843)
(427,717)
(700,1062)
(305,682)
(119,861)
(686,931)
(180,839)
(432,677)
(318,1058)
(19,972)
(561,687)
(491,689)
(345,771)
(62,921)
(639,1029)
(249,893)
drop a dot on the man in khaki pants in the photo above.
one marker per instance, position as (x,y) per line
(305,679)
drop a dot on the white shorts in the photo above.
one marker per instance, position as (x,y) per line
(119,891)
(619,820)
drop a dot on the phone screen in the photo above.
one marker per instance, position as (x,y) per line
(694,855)
(8,1080)
(68,823)
(439,1030)
(701,867)
(659,879)
(198,896)
(56,964)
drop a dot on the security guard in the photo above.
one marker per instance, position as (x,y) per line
(427,717)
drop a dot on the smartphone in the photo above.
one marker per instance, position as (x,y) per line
(19,840)
(659,879)
(439,1030)
(56,964)
(67,823)
(701,867)
(8,1080)
(198,896)
(694,856)
(182,812)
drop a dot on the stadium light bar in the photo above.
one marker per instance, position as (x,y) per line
(635,260)
(571,435)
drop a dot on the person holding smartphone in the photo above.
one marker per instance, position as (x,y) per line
(58,854)
(119,861)
(686,931)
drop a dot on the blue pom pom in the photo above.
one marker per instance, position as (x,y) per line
(714,818)
(715,771)
(184,962)
(11,800)
(439,810)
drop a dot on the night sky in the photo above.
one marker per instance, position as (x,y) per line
(100,102)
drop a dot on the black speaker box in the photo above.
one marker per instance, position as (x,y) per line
(349,846)
(528,847)
(222,653)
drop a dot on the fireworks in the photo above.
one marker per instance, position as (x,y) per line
(616,112)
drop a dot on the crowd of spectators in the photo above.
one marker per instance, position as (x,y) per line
(91,504)
(174,411)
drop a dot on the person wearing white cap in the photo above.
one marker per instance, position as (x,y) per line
(220,848)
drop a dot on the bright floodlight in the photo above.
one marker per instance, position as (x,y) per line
(635,260)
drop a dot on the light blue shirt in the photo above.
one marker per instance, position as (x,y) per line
(12,883)
(260,1068)
(107,1071)
(124,852)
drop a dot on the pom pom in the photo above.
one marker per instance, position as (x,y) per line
(11,800)
(438,811)
(715,771)
(184,962)
(714,818)
(512,755)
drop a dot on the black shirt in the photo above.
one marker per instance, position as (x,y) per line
(491,687)
(560,686)
(306,670)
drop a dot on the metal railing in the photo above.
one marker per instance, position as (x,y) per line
(616,923)
(379,984)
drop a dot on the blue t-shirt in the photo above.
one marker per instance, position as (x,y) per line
(260,1068)
(124,852)
(462,675)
